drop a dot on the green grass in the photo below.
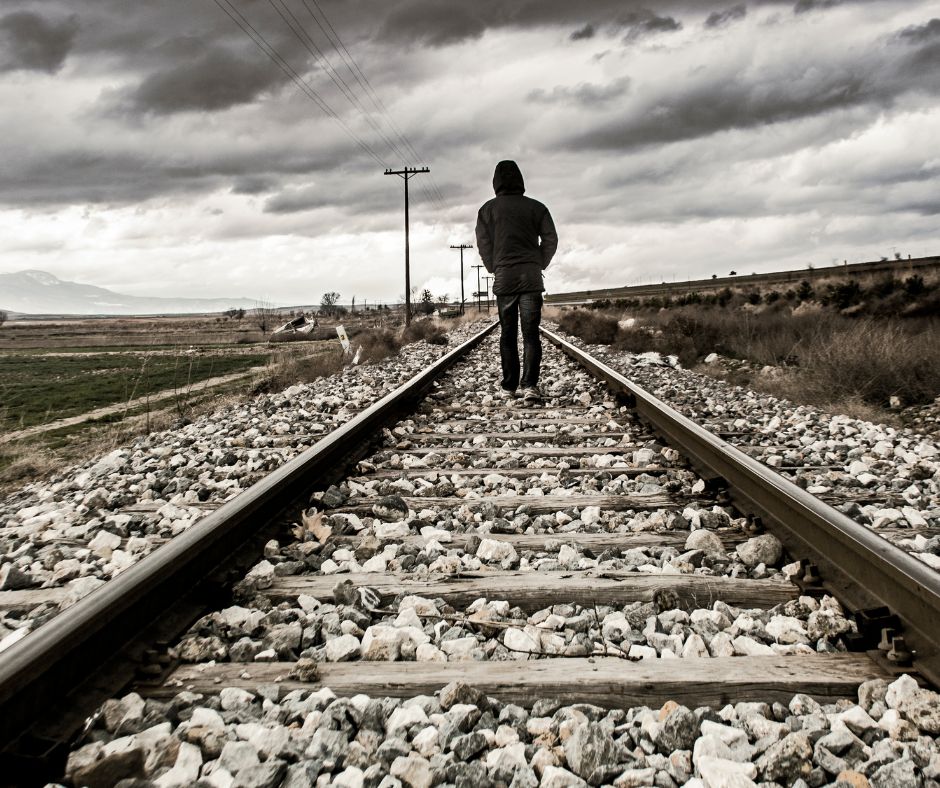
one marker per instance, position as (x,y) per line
(36,389)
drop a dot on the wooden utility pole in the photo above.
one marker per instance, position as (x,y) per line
(406,174)
(488,280)
(478,267)
(461,247)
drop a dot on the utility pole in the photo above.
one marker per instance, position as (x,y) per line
(461,247)
(488,280)
(478,267)
(406,174)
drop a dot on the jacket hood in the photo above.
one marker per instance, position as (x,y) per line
(508,179)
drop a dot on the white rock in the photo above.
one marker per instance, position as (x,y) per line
(387,531)
(518,641)
(459,649)
(425,742)
(342,648)
(786,629)
(556,777)
(421,605)
(749,647)
(405,717)
(185,770)
(703,539)
(414,771)
(590,515)
(428,652)
(494,550)
(722,773)
(235,698)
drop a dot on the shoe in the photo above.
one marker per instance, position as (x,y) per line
(531,394)
(508,393)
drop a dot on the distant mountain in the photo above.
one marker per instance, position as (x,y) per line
(41,293)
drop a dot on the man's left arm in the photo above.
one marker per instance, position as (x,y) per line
(549,238)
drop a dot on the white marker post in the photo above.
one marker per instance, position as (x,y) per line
(343,339)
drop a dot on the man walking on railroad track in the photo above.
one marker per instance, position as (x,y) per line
(516,238)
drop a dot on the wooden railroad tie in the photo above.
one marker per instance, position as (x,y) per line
(537,504)
(603,681)
(533,591)
(596,542)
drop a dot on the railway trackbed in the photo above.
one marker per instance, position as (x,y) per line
(453,588)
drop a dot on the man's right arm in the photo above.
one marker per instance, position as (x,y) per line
(484,241)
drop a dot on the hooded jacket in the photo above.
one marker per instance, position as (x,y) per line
(515,234)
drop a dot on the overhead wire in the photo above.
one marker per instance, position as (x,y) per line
(300,32)
(430,192)
(359,75)
(259,40)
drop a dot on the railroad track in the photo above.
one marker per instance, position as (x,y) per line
(498,594)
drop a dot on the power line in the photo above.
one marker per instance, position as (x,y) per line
(300,32)
(259,40)
(359,75)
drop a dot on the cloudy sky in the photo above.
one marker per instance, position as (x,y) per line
(156,148)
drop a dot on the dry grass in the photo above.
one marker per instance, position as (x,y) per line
(828,359)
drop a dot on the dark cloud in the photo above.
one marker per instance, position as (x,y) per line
(31,42)
(253,184)
(643,23)
(212,80)
(805,6)
(794,94)
(584,94)
(583,33)
(434,22)
(918,34)
(726,17)
(441,22)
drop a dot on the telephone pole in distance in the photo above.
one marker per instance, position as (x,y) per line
(488,280)
(406,174)
(461,247)
(477,294)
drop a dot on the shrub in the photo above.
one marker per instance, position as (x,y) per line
(597,329)
(842,295)
(874,360)
(914,286)
(427,330)
(805,291)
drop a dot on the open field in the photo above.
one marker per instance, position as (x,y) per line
(71,387)
(39,387)
(74,388)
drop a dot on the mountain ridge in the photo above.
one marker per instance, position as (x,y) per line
(35,292)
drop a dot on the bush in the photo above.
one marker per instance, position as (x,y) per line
(427,330)
(842,295)
(593,328)
(874,360)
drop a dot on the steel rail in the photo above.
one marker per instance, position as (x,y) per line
(862,569)
(37,673)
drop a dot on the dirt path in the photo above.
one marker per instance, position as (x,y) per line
(122,407)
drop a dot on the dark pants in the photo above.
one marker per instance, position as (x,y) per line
(513,309)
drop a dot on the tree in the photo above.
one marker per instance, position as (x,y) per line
(427,302)
(3,317)
(329,302)
(265,315)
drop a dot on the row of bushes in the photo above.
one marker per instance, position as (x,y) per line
(887,297)
(827,357)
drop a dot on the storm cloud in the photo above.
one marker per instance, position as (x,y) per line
(31,42)
(726,17)
(672,133)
